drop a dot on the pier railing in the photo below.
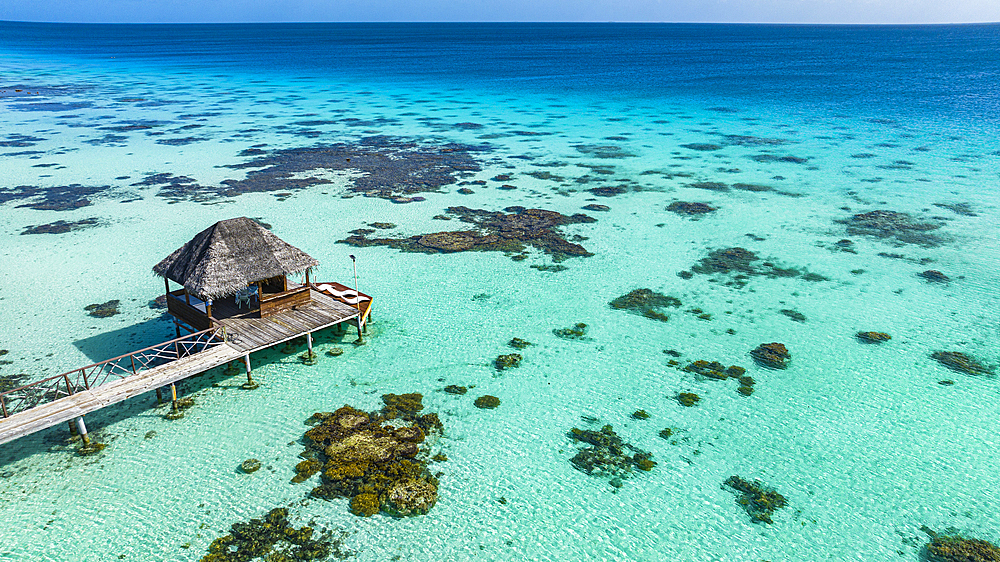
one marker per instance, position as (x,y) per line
(60,386)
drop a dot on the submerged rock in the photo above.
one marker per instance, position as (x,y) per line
(487,402)
(510,232)
(576,332)
(887,224)
(455,389)
(872,337)
(759,501)
(103,310)
(250,466)
(368,460)
(257,539)
(954,548)
(958,361)
(933,276)
(743,264)
(773,355)
(518,343)
(508,361)
(688,399)
(646,302)
(60,227)
(693,210)
(607,454)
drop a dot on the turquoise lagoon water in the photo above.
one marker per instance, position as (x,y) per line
(862,440)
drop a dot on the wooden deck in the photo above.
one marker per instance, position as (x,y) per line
(249,334)
(106,386)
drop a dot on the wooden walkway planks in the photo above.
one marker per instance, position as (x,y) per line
(253,334)
(84,402)
(243,336)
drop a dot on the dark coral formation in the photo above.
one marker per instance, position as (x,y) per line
(455,389)
(250,466)
(378,454)
(257,539)
(387,167)
(688,399)
(509,231)
(715,370)
(892,224)
(577,331)
(56,198)
(954,548)
(960,362)
(740,260)
(61,227)
(487,402)
(518,343)
(933,276)
(872,337)
(508,361)
(795,315)
(759,501)
(772,355)
(744,264)
(607,454)
(646,302)
(692,209)
(640,415)
(103,310)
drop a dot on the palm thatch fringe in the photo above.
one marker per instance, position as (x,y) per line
(230,255)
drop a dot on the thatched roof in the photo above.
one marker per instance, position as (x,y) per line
(228,256)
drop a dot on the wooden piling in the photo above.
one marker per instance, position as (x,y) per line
(82,430)
(250,384)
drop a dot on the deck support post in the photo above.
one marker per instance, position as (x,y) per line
(249,385)
(174,413)
(159,397)
(81,428)
(309,343)
(72,429)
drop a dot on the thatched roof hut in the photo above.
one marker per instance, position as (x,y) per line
(230,255)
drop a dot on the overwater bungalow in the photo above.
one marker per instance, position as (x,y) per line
(235,299)
(237,269)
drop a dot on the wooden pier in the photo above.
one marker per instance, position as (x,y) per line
(71,395)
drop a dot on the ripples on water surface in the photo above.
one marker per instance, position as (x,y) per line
(131,139)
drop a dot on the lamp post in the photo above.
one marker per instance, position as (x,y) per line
(357,303)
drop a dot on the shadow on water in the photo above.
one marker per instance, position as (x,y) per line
(127,339)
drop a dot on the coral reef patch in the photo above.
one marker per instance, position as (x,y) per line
(872,337)
(743,264)
(955,548)
(61,227)
(273,538)
(508,361)
(646,302)
(608,455)
(960,362)
(487,402)
(509,232)
(577,331)
(103,310)
(759,501)
(885,224)
(380,456)
(691,209)
(772,355)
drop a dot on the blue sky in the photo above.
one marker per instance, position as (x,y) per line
(772,11)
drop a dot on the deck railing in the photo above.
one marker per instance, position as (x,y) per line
(60,386)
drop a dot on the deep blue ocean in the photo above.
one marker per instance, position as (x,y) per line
(705,190)
(939,70)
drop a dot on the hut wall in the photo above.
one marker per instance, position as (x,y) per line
(284,301)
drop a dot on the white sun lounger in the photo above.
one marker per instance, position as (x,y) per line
(348,295)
